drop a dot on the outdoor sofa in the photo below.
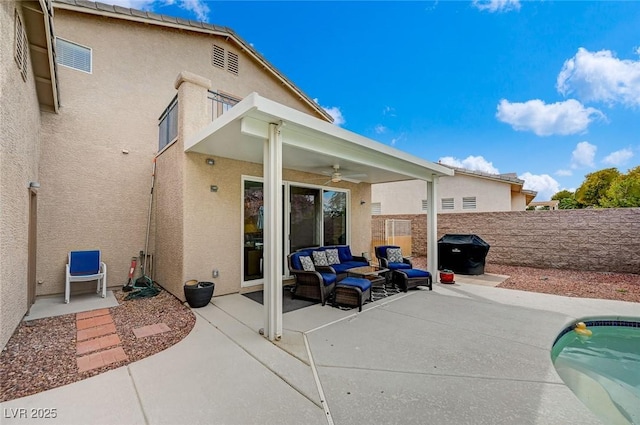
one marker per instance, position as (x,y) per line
(319,279)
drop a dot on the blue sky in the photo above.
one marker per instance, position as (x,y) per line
(549,90)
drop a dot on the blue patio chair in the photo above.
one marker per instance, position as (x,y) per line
(392,264)
(85,266)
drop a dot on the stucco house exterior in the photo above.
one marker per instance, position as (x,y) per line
(116,94)
(466,191)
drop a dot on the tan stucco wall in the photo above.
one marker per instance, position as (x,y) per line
(212,219)
(93,195)
(406,197)
(19,153)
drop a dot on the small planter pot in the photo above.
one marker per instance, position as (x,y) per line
(447,276)
(198,294)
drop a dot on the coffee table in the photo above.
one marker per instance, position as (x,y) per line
(377,275)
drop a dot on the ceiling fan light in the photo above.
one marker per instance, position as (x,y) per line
(336,177)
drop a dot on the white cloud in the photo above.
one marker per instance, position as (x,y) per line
(334,111)
(198,7)
(583,154)
(600,76)
(544,184)
(637,50)
(474,163)
(618,158)
(379,129)
(564,173)
(497,5)
(568,117)
(389,111)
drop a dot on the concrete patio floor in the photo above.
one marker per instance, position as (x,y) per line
(462,353)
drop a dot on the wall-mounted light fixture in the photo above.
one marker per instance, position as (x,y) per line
(362,202)
(34,185)
(210,161)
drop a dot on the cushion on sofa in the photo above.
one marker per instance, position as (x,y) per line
(344,267)
(344,253)
(328,278)
(320,258)
(332,256)
(307,264)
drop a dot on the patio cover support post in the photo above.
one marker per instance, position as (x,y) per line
(272,168)
(432,225)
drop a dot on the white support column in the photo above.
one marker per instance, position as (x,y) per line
(272,167)
(432,226)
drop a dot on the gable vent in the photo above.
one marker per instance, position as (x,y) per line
(425,205)
(232,63)
(217,56)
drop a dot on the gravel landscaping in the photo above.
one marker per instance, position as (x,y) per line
(41,354)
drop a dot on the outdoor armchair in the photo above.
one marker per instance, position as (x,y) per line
(85,266)
(316,283)
(382,254)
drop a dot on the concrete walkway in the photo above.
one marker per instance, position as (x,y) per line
(462,353)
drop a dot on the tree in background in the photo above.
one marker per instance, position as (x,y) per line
(567,200)
(595,187)
(624,191)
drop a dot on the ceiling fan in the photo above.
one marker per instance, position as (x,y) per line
(337,176)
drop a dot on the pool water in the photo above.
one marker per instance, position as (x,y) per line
(603,370)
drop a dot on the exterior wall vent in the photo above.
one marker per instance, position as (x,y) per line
(425,205)
(232,63)
(21,51)
(469,203)
(376,208)
(448,204)
(217,56)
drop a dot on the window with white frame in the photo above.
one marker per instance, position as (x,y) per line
(73,55)
(21,50)
(469,203)
(447,204)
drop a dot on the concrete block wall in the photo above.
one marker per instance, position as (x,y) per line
(591,239)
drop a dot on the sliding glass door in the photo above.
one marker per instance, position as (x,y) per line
(313,216)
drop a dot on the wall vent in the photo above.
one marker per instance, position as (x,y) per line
(232,63)
(217,56)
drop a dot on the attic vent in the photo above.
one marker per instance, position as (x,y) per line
(447,204)
(425,206)
(376,208)
(469,203)
(22,48)
(232,63)
(217,56)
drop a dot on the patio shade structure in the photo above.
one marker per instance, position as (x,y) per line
(260,130)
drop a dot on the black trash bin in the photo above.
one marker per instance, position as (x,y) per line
(462,254)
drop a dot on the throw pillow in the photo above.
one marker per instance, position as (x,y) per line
(332,256)
(320,258)
(394,255)
(307,264)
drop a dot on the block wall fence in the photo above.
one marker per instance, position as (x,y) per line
(606,240)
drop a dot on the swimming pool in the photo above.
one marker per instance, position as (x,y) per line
(603,368)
